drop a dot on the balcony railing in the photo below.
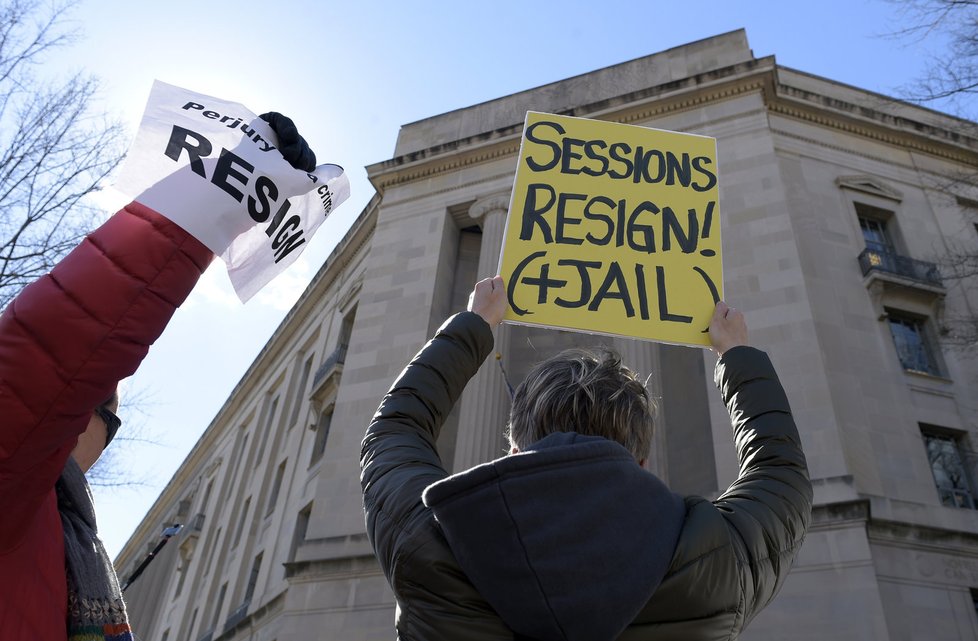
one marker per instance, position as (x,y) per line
(237,616)
(338,357)
(884,259)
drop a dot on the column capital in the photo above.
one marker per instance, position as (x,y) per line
(490,204)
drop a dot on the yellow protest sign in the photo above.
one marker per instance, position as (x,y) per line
(614,229)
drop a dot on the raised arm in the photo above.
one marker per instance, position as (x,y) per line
(399,458)
(768,507)
(70,337)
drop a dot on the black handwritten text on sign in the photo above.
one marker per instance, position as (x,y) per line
(614,229)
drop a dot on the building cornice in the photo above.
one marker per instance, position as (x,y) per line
(858,512)
(672,97)
(879,122)
(874,124)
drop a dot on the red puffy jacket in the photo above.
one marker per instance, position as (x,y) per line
(65,342)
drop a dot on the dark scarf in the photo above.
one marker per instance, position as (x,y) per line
(95,606)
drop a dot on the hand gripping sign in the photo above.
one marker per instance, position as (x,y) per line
(212,167)
(614,229)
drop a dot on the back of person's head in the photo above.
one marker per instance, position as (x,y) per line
(587,392)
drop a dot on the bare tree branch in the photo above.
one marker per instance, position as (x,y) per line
(951,76)
(53,151)
(114,468)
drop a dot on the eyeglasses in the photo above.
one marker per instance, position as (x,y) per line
(112,422)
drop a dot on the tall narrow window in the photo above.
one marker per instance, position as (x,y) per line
(322,433)
(299,392)
(873,223)
(184,570)
(874,233)
(253,578)
(301,526)
(193,622)
(241,522)
(346,329)
(207,496)
(220,605)
(276,487)
(269,420)
(912,343)
(950,468)
(212,551)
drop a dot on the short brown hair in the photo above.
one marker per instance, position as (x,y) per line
(584,391)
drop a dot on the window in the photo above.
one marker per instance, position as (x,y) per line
(297,398)
(184,570)
(912,343)
(950,468)
(193,622)
(242,452)
(213,547)
(872,222)
(346,329)
(220,605)
(322,433)
(253,577)
(269,418)
(276,487)
(207,496)
(241,522)
(874,233)
(301,526)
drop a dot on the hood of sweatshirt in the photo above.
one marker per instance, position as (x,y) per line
(567,540)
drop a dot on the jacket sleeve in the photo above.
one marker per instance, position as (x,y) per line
(67,340)
(768,508)
(399,459)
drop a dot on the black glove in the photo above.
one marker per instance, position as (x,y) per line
(293,147)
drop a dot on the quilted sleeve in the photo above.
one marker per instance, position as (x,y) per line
(768,508)
(399,459)
(71,336)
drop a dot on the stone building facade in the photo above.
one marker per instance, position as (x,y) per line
(835,204)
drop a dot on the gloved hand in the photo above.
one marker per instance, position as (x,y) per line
(294,147)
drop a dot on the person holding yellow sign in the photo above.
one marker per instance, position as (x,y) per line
(569,537)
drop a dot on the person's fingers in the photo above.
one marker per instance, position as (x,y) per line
(720,311)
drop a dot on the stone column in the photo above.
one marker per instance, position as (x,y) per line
(484,406)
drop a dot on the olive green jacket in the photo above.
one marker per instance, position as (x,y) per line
(724,560)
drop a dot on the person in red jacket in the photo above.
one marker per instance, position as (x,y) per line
(65,343)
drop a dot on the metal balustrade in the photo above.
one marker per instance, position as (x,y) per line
(884,259)
(338,357)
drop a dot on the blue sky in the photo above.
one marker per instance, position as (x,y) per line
(350,74)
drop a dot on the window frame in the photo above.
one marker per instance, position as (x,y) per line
(963,494)
(927,346)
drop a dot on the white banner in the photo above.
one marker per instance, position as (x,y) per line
(212,167)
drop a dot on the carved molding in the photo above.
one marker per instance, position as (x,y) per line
(489,204)
(869,185)
(889,290)
(873,130)
(826,111)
